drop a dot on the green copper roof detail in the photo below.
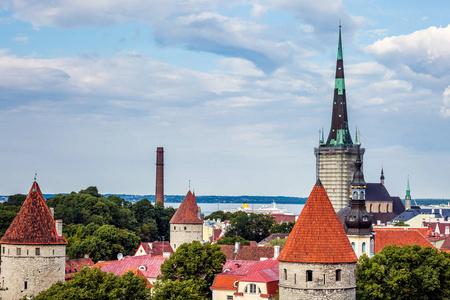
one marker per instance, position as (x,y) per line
(340,137)
(408,191)
(339,55)
(339,84)
(356,136)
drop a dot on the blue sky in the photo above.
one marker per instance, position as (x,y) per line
(236,93)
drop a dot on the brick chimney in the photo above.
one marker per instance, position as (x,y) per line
(159,192)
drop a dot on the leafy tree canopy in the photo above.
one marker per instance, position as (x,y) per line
(401,223)
(408,272)
(95,284)
(191,289)
(233,240)
(252,227)
(282,228)
(277,242)
(195,262)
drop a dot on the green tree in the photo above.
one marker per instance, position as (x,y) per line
(191,289)
(194,261)
(233,240)
(408,272)
(16,200)
(252,227)
(92,190)
(401,223)
(95,284)
(285,227)
(277,242)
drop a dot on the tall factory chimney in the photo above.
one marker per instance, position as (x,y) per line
(159,192)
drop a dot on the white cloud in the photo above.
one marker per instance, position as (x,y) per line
(258,10)
(424,51)
(20,39)
(445,110)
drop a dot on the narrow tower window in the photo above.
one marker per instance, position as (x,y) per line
(338,275)
(285,274)
(364,247)
(38,251)
(353,245)
(25,285)
(309,275)
(295,278)
(18,251)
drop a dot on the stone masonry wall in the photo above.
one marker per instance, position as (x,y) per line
(185,233)
(38,271)
(294,285)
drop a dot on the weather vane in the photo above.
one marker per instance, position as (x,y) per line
(35,175)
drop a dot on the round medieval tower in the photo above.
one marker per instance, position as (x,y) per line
(317,261)
(33,249)
(186,224)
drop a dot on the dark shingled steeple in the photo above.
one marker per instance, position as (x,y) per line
(339,132)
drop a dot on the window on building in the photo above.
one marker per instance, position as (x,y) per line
(174,227)
(361,196)
(184,227)
(25,285)
(379,207)
(363,248)
(353,245)
(28,252)
(285,274)
(229,297)
(38,251)
(323,278)
(53,252)
(251,289)
(309,275)
(18,251)
(338,275)
(370,208)
(295,278)
(3,250)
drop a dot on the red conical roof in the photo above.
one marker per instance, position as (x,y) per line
(34,224)
(318,236)
(187,213)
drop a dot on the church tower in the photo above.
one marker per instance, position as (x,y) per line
(335,158)
(357,221)
(186,224)
(33,249)
(317,261)
(408,196)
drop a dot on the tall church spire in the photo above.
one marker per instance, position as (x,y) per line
(339,133)
(408,196)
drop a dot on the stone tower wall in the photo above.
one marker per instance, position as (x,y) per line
(24,265)
(335,167)
(185,233)
(293,283)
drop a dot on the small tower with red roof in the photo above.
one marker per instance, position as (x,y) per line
(186,224)
(317,261)
(33,249)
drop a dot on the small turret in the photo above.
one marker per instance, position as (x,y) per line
(382,176)
(408,196)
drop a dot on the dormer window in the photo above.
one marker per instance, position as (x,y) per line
(142,268)
(38,251)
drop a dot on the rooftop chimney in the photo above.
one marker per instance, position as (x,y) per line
(276,251)
(159,192)
(52,211)
(59,226)
(236,247)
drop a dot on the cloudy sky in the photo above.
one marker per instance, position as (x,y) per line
(235,91)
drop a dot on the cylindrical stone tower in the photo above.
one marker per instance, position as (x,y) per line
(159,191)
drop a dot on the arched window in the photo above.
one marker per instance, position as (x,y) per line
(309,275)
(353,245)
(363,247)
(338,275)
(379,207)
(355,195)
(370,209)
(251,289)
(285,274)
(361,195)
(387,207)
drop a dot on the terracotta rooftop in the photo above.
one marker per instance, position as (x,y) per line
(402,237)
(187,213)
(273,236)
(154,248)
(282,218)
(34,224)
(318,236)
(138,273)
(150,266)
(247,252)
(75,265)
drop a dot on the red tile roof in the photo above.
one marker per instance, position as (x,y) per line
(266,275)
(75,265)
(138,273)
(282,218)
(187,213)
(34,224)
(247,252)
(225,282)
(155,248)
(151,265)
(101,264)
(405,236)
(318,236)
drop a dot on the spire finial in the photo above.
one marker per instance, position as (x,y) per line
(189,184)
(358,137)
(35,175)
(339,23)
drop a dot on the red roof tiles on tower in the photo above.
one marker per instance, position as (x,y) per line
(34,224)
(187,213)
(318,236)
